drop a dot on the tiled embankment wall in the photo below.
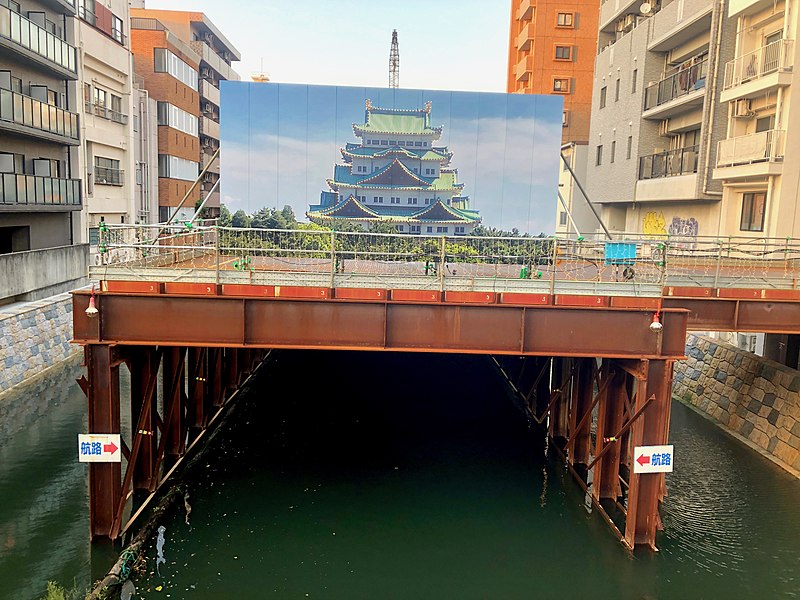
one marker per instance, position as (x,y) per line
(754,397)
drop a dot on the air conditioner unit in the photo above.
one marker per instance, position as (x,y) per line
(206,143)
(663,128)
(226,56)
(742,109)
(208,108)
(205,72)
(208,37)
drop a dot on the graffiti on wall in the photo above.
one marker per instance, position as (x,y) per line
(685,228)
(653,223)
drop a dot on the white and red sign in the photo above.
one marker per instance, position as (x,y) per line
(653,459)
(99,447)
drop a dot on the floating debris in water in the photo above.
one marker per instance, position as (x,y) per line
(128,590)
(160,549)
(187,506)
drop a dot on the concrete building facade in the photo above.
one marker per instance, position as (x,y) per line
(656,116)
(40,191)
(551,50)
(106,77)
(758,159)
(188,114)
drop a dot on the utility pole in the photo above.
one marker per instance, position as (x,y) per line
(394,62)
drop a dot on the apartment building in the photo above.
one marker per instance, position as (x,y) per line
(551,50)
(199,44)
(40,188)
(758,161)
(106,77)
(657,117)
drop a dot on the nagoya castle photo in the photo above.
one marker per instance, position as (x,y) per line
(396,175)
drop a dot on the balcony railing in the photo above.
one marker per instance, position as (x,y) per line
(764,146)
(679,84)
(106,176)
(681,161)
(215,61)
(30,36)
(32,190)
(30,112)
(209,128)
(772,58)
(107,113)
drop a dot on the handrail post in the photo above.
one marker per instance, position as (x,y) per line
(333,257)
(719,264)
(216,249)
(442,257)
(553,266)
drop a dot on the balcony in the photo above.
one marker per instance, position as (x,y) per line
(676,93)
(681,161)
(756,72)
(106,113)
(525,11)
(206,159)
(106,176)
(524,69)
(754,155)
(525,37)
(214,61)
(208,91)
(31,192)
(209,128)
(25,38)
(28,116)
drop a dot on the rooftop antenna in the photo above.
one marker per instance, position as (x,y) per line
(261,76)
(394,62)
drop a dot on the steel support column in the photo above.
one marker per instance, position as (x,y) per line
(104,478)
(580,424)
(144,364)
(174,404)
(609,421)
(653,399)
(559,414)
(196,408)
(543,387)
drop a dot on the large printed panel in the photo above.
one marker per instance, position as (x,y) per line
(415,161)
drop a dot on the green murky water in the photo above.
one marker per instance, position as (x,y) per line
(358,475)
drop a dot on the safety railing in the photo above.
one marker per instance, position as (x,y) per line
(774,57)
(30,112)
(763,146)
(679,84)
(31,36)
(636,265)
(681,161)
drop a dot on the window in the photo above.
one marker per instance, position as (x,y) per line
(412,201)
(379,200)
(459,230)
(561,85)
(753,204)
(613,150)
(116,29)
(634,76)
(94,236)
(99,97)
(599,158)
(565,118)
(86,11)
(630,147)
(603,91)
(394,200)
(393,142)
(418,144)
(167,62)
(427,200)
(107,171)
(173,167)
(414,228)
(616,91)
(441,230)
(400,228)
(563,52)
(565,19)
(562,218)
(430,229)
(172,116)
(384,142)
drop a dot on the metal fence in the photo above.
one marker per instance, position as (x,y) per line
(633,265)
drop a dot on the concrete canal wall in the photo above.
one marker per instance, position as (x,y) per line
(34,336)
(755,398)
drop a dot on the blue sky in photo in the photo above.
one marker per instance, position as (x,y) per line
(281,142)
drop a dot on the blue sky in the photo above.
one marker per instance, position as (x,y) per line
(444,44)
(281,142)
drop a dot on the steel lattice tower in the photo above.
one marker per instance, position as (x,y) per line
(394,62)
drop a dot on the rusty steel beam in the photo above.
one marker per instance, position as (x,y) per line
(173,373)
(104,407)
(653,402)
(558,426)
(196,407)
(144,413)
(346,324)
(730,314)
(609,420)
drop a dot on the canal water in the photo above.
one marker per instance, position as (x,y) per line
(361,475)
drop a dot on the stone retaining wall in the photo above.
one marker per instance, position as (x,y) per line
(754,397)
(34,336)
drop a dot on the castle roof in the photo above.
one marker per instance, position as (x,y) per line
(352,208)
(351,151)
(397,120)
(394,175)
